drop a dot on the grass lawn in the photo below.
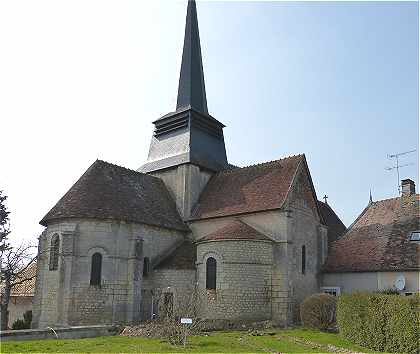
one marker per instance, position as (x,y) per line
(284,341)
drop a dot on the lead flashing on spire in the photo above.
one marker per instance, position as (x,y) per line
(191,89)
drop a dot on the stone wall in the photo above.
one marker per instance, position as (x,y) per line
(65,296)
(179,282)
(304,229)
(243,279)
(185,183)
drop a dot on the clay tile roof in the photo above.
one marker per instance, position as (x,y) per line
(107,191)
(247,189)
(27,288)
(236,230)
(336,228)
(379,239)
(183,257)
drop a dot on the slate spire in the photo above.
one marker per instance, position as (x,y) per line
(190,135)
(191,88)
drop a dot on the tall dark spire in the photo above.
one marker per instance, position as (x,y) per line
(190,135)
(191,89)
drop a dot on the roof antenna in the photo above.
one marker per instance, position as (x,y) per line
(397,166)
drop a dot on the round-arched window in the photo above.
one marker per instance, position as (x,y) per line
(96,269)
(211,270)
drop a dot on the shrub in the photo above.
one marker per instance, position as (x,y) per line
(19,324)
(318,311)
(25,323)
(27,317)
(380,321)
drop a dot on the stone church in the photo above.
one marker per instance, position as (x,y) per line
(124,246)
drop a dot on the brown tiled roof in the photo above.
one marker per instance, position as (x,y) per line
(247,189)
(27,288)
(183,257)
(236,230)
(336,228)
(379,239)
(107,191)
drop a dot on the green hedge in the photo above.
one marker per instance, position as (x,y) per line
(381,322)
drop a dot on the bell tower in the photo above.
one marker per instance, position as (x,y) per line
(187,145)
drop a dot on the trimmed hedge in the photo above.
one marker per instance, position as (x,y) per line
(381,322)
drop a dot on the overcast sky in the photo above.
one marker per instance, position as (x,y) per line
(81,80)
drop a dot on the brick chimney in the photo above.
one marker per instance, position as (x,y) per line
(408,187)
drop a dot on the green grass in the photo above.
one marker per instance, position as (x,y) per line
(284,341)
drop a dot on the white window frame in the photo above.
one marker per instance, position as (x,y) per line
(411,235)
(331,289)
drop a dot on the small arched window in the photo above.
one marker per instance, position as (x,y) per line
(211,268)
(303,259)
(96,269)
(54,251)
(146,266)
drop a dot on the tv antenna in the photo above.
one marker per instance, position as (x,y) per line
(397,165)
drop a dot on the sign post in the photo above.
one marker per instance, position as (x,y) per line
(186,321)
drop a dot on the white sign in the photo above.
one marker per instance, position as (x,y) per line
(186,320)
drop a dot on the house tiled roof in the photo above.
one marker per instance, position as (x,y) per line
(336,228)
(379,239)
(248,189)
(107,191)
(183,257)
(236,230)
(27,287)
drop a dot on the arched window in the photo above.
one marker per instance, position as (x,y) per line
(146,266)
(211,268)
(303,259)
(96,269)
(54,251)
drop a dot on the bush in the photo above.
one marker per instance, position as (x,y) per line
(19,324)
(27,317)
(25,323)
(380,321)
(318,311)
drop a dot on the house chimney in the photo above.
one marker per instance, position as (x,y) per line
(408,187)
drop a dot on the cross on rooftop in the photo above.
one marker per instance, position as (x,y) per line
(325,199)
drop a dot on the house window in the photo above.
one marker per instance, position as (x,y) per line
(96,269)
(146,266)
(211,267)
(332,290)
(415,236)
(303,257)
(54,251)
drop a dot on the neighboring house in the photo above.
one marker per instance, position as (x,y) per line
(21,296)
(381,249)
(252,240)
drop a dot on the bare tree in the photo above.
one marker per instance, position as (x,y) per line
(188,305)
(4,224)
(15,262)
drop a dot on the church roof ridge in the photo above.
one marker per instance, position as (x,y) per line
(124,168)
(263,164)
